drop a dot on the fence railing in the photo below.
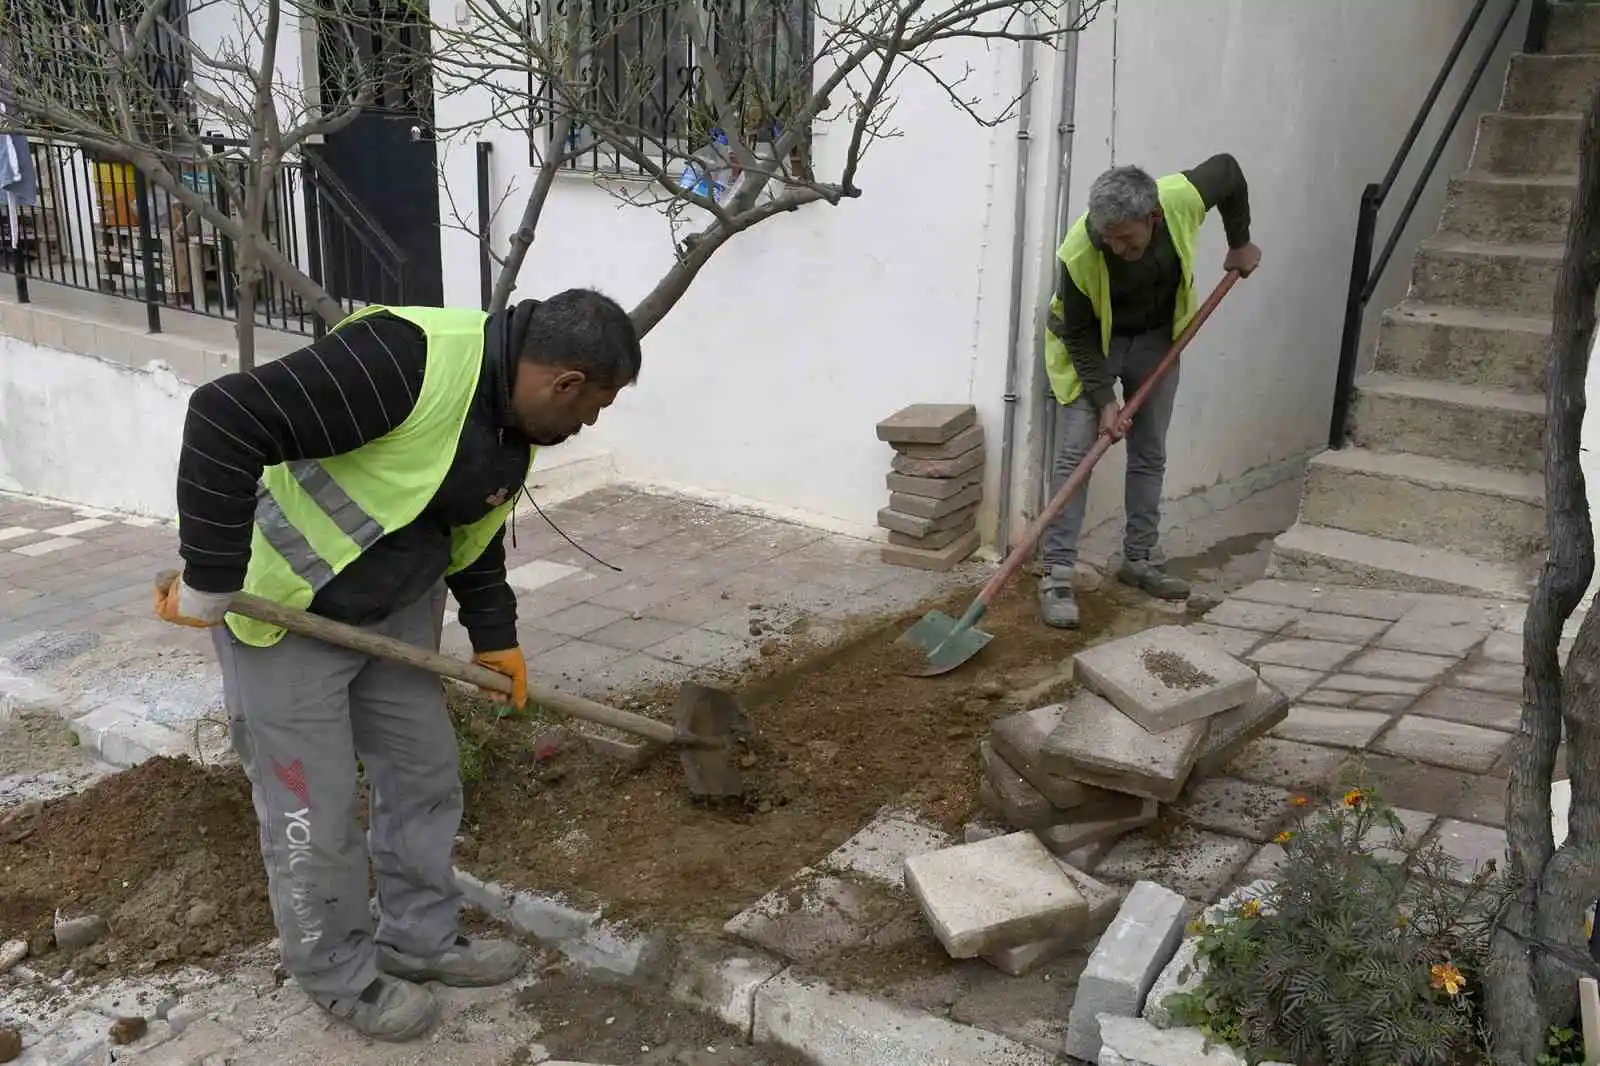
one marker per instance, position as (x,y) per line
(100,226)
(1365,274)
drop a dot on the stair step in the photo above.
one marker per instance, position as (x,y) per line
(1491,276)
(1466,423)
(1540,84)
(1573,28)
(1528,144)
(1339,557)
(1520,209)
(1424,500)
(1491,349)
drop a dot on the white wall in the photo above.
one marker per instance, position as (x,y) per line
(1313,99)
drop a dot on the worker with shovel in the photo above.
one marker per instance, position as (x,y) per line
(1113,317)
(358,478)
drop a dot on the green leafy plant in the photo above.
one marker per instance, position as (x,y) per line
(1358,956)
(1564,1048)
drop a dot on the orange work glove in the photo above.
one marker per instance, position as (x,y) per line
(184,606)
(511,663)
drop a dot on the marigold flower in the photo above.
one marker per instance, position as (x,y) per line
(1300,801)
(1447,979)
(1250,908)
(1283,838)
(1354,798)
(1196,927)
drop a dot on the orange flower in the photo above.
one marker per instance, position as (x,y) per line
(1250,908)
(1300,801)
(1446,978)
(1354,798)
(1283,838)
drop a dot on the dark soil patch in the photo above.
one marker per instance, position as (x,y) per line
(141,849)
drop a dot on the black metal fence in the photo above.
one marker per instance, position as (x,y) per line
(100,225)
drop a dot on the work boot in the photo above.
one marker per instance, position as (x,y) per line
(1058,606)
(470,963)
(1143,574)
(387,1009)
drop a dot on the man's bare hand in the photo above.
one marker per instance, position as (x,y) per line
(1111,421)
(1244,259)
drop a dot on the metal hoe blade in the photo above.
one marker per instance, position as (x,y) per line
(946,645)
(716,718)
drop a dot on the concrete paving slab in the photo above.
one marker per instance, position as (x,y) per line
(1165,677)
(1096,743)
(995,894)
(1485,675)
(1503,647)
(1104,900)
(880,850)
(1362,685)
(1195,862)
(1237,808)
(1007,794)
(1335,727)
(1287,764)
(1441,610)
(1085,827)
(1429,639)
(1135,1042)
(1125,964)
(1265,863)
(1364,603)
(1327,697)
(1260,617)
(1289,680)
(1444,743)
(1471,846)
(1486,710)
(1227,734)
(1316,655)
(1409,666)
(1019,739)
(1339,628)
(1236,642)
(814,914)
(722,981)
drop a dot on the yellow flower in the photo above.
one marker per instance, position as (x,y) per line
(1401,921)
(1250,908)
(1447,979)
(1354,798)
(1300,801)
(1196,927)
(1283,838)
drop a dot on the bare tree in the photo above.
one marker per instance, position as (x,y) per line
(1539,947)
(123,79)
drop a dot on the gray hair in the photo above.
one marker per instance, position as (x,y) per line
(1120,194)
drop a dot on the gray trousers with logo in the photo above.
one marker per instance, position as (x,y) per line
(1131,359)
(301,713)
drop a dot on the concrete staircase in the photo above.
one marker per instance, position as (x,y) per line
(1440,485)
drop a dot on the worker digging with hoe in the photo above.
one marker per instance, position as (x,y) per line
(358,478)
(1124,292)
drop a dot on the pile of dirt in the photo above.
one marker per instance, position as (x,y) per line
(165,853)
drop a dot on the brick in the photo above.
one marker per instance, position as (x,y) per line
(1335,728)
(936,539)
(879,851)
(994,895)
(1103,903)
(1340,628)
(1131,674)
(1009,795)
(1127,961)
(1287,764)
(1261,617)
(932,488)
(1401,664)
(1071,835)
(966,462)
(960,444)
(1448,640)
(924,507)
(1096,743)
(917,526)
(1019,739)
(1239,808)
(1318,655)
(937,560)
(1471,846)
(1486,710)
(927,423)
(1198,863)
(1443,743)
(1289,680)
(1236,642)
(1227,734)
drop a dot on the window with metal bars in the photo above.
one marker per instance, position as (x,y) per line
(641,82)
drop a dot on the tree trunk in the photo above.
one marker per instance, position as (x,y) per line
(1531,988)
(244,303)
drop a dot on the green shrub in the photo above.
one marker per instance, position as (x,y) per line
(1564,1048)
(1356,957)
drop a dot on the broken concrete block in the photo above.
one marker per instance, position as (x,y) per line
(1165,677)
(936,539)
(1125,963)
(933,488)
(1076,832)
(722,981)
(1182,974)
(1019,739)
(935,559)
(927,423)
(965,463)
(1135,1042)
(916,526)
(926,507)
(960,444)
(1230,732)
(1103,902)
(1096,743)
(994,895)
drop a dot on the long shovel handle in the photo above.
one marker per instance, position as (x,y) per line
(1102,444)
(346,636)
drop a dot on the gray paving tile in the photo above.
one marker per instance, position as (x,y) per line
(1431,639)
(578,620)
(1471,845)
(1287,764)
(1339,628)
(1289,680)
(1261,617)
(701,647)
(1487,710)
(1318,655)
(1400,664)
(1451,744)
(1336,727)
(1236,642)
(635,634)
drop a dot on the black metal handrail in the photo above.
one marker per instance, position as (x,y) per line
(1364,273)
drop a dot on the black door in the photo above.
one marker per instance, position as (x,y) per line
(385,160)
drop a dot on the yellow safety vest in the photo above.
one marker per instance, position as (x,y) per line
(1184,212)
(314,517)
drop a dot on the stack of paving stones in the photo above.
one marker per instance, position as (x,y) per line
(935,484)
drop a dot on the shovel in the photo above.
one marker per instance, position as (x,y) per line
(949,642)
(707,719)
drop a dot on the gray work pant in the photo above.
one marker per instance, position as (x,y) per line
(1131,360)
(301,713)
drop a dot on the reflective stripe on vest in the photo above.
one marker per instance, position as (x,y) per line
(290,543)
